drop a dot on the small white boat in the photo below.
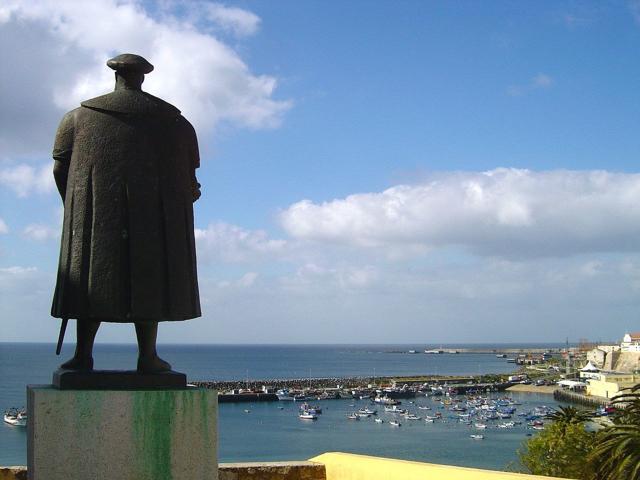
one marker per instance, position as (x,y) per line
(424,407)
(308,416)
(17,418)
(353,416)
(363,415)
(379,420)
(246,410)
(368,411)
(428,420)
(393,423)
(480,426)
(477,437)
(411,416)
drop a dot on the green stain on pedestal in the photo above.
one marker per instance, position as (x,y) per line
(153,419)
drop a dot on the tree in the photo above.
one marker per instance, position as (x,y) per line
(568,415)
(616,455)
(560,450)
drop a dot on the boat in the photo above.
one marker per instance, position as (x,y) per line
(308,416)
(428,420)
(379,420)
(353,416)
(386,400)
(501,355)
(480,426)
(246,410)
(15,417)
(434,351)
(411,416)
(284,395)
(393,423)
(363,415)
(395,409)
(311,409)
(475,436)
(424,407)
(368,411)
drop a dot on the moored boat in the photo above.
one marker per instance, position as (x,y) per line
(15,417)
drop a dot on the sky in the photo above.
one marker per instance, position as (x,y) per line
(411,172)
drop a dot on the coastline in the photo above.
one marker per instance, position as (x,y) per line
(545,389)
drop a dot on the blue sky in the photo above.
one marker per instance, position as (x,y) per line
(410,166)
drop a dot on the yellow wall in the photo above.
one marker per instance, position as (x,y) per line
(609,384)
(346,466)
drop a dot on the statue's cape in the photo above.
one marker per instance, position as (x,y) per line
(132,102)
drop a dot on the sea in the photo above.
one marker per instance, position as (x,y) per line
(270,431)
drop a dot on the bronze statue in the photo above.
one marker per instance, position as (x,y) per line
(125,169)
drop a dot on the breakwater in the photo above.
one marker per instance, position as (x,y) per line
(346,387)
(574,397)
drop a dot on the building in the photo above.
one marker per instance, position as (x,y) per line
(630,342)
(609,384)
(589,371)
(603,355)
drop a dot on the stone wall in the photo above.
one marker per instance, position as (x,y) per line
(230,471)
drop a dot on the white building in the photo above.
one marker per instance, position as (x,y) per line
(630,342)
(589,371)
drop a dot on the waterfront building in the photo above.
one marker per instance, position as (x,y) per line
(609,384)
(589,371)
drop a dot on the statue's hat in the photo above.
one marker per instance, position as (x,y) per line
(129,62)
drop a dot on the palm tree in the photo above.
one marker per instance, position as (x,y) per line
(616,455)
(569,415)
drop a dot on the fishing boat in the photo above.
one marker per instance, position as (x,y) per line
(308,416)
(353,416)
(475,436)
(363,415)
(412,416)
(424,407)
(395,409)
(428,420)
(501,355)
(310,408)
(368,411)
(379,420)
(284,395)
(15,417)
(480,426)
(394,423)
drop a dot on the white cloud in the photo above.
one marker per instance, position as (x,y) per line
(248,279)
(230,243)
(236,20)
(67,48)
(17,270)
(503,212)
(25,179)
(542,80)
(539,81)
(39,232)
(4,229)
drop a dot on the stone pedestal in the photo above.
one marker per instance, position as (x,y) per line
(124,435)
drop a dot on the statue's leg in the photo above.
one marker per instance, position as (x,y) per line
(148,359)
(86,330)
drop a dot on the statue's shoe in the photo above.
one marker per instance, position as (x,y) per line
(78,363)
(153,365)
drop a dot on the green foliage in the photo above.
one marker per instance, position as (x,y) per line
(560,450)
(617,452)
(568,415)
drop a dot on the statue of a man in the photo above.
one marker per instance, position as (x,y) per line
(125,169)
